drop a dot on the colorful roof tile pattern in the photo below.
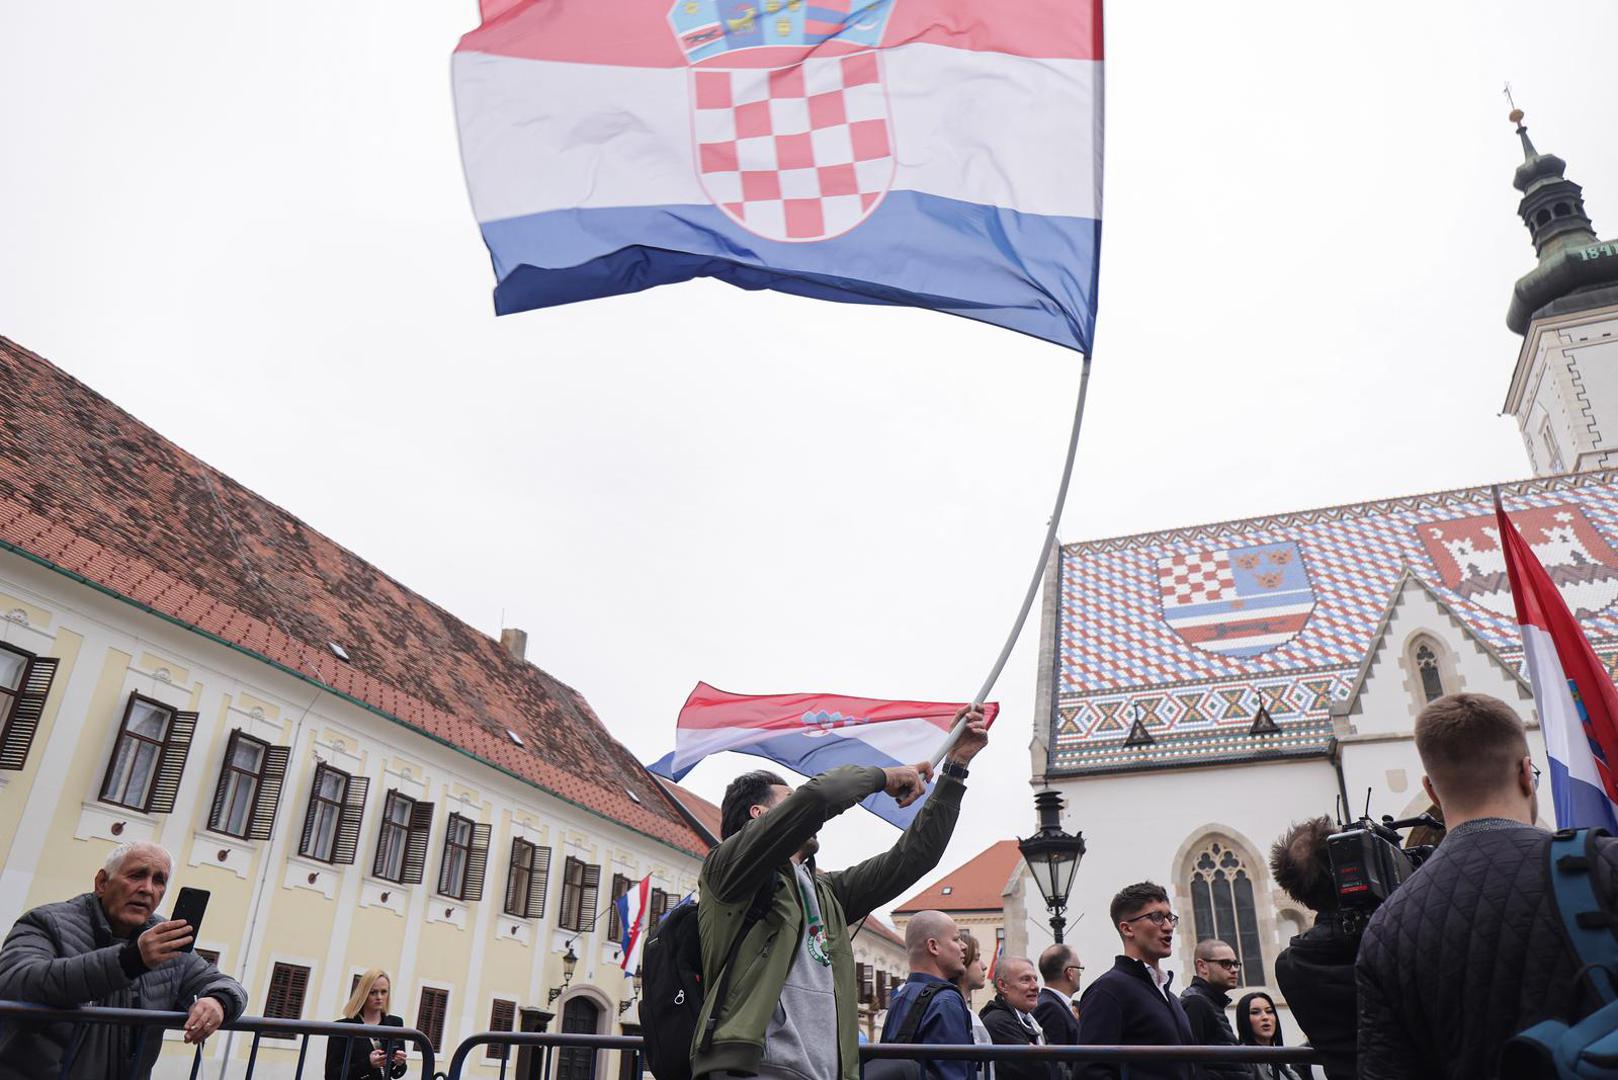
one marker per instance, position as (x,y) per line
(90,490)
(1190,630)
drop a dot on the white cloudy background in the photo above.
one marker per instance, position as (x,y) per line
(246,224)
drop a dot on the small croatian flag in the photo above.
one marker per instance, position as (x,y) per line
(943,154)
(632,907)
(810,733)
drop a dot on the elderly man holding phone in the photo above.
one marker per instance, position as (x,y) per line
(109,947)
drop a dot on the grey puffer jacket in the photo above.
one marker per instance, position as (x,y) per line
(65,955)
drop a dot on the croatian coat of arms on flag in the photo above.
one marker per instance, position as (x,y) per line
(1239,601)
(789,113)
(1578,559)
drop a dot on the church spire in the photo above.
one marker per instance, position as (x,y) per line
(1573,264)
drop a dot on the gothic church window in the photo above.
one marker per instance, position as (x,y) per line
(1432,685)
(1224,906)
(1431,667)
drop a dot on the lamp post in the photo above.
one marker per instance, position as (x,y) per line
(1053,857)
(569,960)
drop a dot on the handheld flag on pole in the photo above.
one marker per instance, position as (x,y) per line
(1578,706)
(632,907)
(943,154)
(810,733)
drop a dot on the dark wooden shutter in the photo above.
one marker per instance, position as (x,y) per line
(348,826)
(863,973)
(539,882)
(288,984)
(572,877)
(502,1017)
(882,989)
(615,929)
(217,814)
(24,722)
(589,897)
(307,843)
(421,829)
(477,862)
(430,1014)
(268,798)
(171,763)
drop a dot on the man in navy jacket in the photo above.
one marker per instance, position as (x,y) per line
(1131,1005)
(937,960)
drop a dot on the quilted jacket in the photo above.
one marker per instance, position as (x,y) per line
(1466,953)
(64,955)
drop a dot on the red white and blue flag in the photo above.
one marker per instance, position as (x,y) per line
(1578,706)
(936,153)
(810,733)
(632,908)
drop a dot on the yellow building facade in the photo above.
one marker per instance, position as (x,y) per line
(332,833)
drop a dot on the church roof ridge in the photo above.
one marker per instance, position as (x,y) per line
(1283,519)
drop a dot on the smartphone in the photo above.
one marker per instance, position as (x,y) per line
(190,906)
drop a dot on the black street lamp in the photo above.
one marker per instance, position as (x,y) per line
(568,962)
(1053,857)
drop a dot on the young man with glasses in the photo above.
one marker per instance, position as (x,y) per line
(1207,998)
(1060,968)
(1131,1004)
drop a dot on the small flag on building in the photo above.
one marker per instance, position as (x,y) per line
(632,908)
(1578,706)
(810,733)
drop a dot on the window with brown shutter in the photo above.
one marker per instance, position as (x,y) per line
(430,1015)
(149,756)
(466,858)
(328,794)
(288,983)
(866,983)
(519,878)
(657,906)
(615,925)
(249,788)
(882,989)
(25,682)
(502,1017)
(581,886)
(401,846)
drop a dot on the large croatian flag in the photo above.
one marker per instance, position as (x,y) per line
(1572,691)
(810,733)
(938,153)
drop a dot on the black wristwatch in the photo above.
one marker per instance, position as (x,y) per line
(957,772)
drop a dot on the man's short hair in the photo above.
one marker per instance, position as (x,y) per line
(115,857)
(1206,947)
(1302,865)
(1132,898)
(1470,745)
(745,792)
(1004,970)
(1054,961)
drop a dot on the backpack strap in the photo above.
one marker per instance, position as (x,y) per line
(760,906)
(1590,929)
(917,1013)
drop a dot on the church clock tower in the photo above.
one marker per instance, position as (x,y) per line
(1564,391)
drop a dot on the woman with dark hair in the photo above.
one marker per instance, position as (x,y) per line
(1258,1025)
(364,1058)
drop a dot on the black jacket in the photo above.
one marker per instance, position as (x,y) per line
(1316,976)
(1007,1029)
(359,1054)
(1467,952)
(1054,1012)
(1205,1012)
(1124,1007)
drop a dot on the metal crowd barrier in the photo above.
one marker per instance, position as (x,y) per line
(1122,1056)
(149,1022)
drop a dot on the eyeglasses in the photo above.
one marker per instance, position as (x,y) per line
(1159,918)
(1075,967)
(1536,776)
(1229,965)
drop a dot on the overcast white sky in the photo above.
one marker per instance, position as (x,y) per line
(247,225)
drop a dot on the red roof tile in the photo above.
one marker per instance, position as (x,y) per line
(975,885)
(705,813)
(883,930)
(93,491)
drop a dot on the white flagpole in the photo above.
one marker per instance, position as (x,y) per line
(1039,568)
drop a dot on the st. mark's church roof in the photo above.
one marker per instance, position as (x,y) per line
(89,490)
(1231,641)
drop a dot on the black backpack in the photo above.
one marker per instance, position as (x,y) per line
(671,984)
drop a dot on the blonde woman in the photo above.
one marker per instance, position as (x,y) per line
(363,1058)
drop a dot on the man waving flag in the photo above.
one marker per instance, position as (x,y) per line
(1578,707)
(810,733)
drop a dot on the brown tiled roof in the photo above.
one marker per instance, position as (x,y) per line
(881,929)
(705,814)
(88,489)
(975,885)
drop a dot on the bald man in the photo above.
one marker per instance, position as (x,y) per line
(109,947)
(928,1007)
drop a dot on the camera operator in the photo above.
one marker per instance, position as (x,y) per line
(1470,950)
(1315,973)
